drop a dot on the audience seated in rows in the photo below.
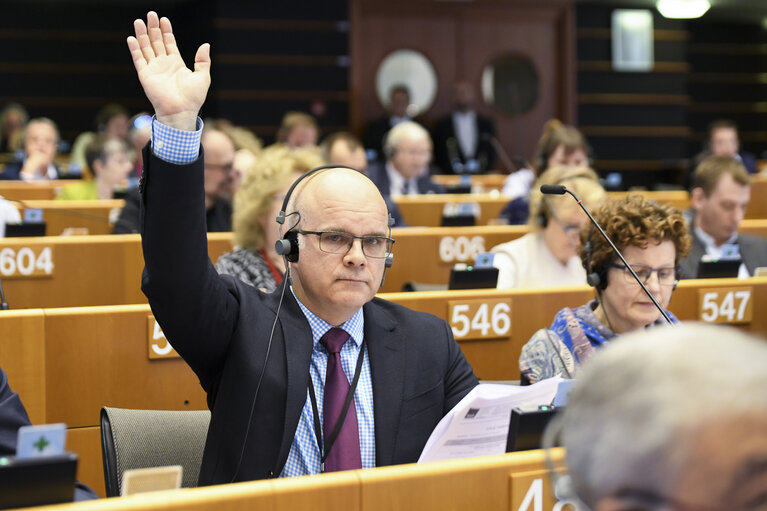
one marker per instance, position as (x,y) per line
(672,418)
(298,129)
(218,150)
(548,255)
(343,148)
(112,120)
(13,119)
(39,140)
(462,138)
(408,151)
(256,206)
(108,161)
(723,140)
(377,129)
(720,194)
(653,238)
(559,145)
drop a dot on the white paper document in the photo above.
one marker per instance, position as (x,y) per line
(479,424)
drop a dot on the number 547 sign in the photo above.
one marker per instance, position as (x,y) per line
(726,305)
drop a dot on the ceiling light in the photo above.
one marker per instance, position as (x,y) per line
(683,8)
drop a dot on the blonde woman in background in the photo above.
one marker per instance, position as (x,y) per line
(548,255)
(256,205)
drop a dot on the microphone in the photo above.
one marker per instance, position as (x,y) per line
(561,190)
(554,190)
(500,151)
(3,304)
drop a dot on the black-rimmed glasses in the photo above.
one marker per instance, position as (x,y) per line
(334,242)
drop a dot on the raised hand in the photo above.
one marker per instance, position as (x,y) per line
(175,91)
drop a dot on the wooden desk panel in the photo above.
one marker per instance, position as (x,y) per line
(426,210)
(486,182)
(489,483)
(22,357)
(37,190)
(533,309)
(418,257)
(102,355)
(92,215)
(89,270)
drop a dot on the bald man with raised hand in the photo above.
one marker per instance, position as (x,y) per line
(277,367)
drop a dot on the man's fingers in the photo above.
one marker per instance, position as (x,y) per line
(202,59)
(155,34)
(167,36)
(139,62)
(143,40)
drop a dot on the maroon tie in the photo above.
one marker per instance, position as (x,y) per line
(344,453)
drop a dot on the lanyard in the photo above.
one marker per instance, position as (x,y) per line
(315,411)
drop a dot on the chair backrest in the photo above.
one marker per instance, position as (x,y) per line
(151,438)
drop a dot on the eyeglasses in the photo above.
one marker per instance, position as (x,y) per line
(334,242)
(225,168)
(666,276)
(630,499)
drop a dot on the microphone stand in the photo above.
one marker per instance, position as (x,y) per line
(561,190)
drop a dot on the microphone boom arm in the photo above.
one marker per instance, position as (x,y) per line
(623,259)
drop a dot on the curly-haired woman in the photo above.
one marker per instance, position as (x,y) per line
(652,238)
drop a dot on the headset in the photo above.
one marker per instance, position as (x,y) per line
(287,246)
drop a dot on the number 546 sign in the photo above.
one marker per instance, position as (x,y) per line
(480,319)
(726,305)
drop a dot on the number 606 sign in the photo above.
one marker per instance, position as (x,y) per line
(480,319)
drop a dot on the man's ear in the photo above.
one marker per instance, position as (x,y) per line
(697,197)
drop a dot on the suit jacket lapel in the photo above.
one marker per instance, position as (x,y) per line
(387,366)
(297,338)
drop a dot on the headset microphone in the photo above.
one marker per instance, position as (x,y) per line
(560,190)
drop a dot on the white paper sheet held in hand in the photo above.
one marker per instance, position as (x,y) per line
(479,423)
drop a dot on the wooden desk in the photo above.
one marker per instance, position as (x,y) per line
(532,309)
(92,215)
(35,190)
(86,270)
(426,254)
(490,483)
(485,182)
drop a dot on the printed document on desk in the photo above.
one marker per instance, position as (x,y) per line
(479,424)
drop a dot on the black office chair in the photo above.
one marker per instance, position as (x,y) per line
(151,438)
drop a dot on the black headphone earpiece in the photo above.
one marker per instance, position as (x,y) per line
(596,276)
(287,247)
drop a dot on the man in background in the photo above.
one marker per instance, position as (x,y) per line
(408,150)
(343,148)
(462,138)
(396,112)
(720,194)
(39,141)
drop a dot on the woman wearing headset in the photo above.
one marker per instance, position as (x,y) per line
(256,205)
(653,238)
(548,255)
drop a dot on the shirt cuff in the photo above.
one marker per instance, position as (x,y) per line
(173,145)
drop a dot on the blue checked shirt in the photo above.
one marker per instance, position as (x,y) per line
(181,147)
(304,456)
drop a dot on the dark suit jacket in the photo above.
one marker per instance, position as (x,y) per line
(221,327)
(377,173)
(12,417)
(13,171)
(375,133)
(444,130)
(753,252)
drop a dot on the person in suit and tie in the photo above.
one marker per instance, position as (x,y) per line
(408,150)
(720,194)
(319,375)
(462,139)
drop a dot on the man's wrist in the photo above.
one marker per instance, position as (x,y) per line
(186,121)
